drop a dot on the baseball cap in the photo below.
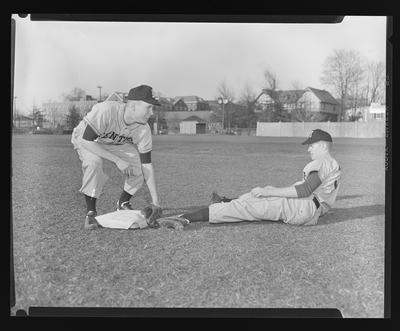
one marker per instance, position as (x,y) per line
(143,93)
(317,135)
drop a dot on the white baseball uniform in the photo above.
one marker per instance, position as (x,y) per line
(125,141)
(298,211)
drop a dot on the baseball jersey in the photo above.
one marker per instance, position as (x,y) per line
(106,119)
(329,173)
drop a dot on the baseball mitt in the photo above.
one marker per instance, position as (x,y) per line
(174,222)
(152,213)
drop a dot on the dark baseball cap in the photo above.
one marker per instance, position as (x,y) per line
(317,135)
(143,93)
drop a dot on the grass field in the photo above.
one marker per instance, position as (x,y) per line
(338,263)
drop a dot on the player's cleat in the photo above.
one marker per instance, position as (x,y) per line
(124,206)
(91,222)
(174,222)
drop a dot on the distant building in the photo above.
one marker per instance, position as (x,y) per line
(315,100)
(194,103)
(192,125)
(174,118)
(375,112)
(23,122)
(117,96)
(55,112)
(309,100)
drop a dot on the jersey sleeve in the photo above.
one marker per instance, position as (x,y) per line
(98,118)
(145,143)
(311,183)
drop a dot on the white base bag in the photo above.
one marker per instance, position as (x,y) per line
(123,219)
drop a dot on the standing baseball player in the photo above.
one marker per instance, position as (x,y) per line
(301,203)
(118,132)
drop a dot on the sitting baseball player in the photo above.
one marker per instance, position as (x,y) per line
(118,132)
(301,203)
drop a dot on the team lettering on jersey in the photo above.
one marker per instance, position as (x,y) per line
(117,138)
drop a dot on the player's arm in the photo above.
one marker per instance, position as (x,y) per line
(149,177)
(88,141)
(303,190)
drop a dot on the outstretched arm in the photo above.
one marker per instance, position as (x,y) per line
(149,178)
(302,190)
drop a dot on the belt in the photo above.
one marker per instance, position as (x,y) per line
(315,200)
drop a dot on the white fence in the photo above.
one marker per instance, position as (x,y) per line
(374,129)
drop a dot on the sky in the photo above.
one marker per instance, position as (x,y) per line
(177,59)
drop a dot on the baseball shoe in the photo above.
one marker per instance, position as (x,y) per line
(174,222)
(91,222)
(124,206)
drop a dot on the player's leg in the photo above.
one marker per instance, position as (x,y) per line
(132,183)
(93,181)
(246,208)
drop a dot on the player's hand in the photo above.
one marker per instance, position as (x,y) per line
(125,167)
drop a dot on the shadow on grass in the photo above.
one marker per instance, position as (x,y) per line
(335,215)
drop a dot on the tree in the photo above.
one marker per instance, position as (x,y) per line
(37,117)
(297,85)
(342,71)
(376,82)
(225,92)
(75,95)
(73,118)
(271,80)
(247,99)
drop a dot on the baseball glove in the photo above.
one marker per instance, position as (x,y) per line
(174,222)
(152,213)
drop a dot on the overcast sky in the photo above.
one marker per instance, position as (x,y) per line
(176,59)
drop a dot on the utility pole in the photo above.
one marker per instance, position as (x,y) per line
(223,101)
(99,87)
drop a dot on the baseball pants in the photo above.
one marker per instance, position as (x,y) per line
(249,208)
(94,177)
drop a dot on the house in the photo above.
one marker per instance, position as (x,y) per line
(179,105)
(23,122)
(174,118)
(117,96)
(55,112)
(194,103)
(319,101)
(310,100)
(192,125)
(375,112)
(268,99)
(166,105)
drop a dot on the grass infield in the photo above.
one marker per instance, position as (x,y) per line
(338,263)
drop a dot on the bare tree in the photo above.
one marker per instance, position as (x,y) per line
(225,91)
(342,71)
(76,94)
(297,85)
(271,80)
(376,81)
(247,99)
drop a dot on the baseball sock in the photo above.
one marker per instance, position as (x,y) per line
(200,215)
(125,196)
(90,203)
